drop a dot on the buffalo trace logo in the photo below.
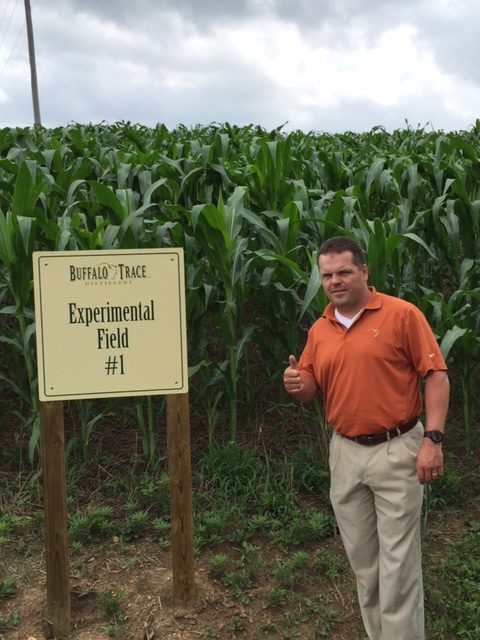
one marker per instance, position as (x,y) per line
(106,273)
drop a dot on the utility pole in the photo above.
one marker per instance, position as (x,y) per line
(33,68)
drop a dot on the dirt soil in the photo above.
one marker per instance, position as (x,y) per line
(143,574)
(141,571)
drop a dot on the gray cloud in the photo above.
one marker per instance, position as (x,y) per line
(203,14)
(148,61)
(454,39)
(363,115)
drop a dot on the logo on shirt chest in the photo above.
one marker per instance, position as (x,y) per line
(375,332)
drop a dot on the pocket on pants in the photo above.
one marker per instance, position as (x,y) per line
(334,450)
(412,440)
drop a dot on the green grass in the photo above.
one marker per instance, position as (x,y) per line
(10,621)
(289,573)
(7,587)
(110,604)
(457,613)
(274,534)
(96,523)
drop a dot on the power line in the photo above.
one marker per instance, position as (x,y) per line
(31,54)
(4,13)
(21,30)
(8,23)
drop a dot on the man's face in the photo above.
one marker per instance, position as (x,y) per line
(344,283)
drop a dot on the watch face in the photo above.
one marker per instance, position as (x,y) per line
(434,435)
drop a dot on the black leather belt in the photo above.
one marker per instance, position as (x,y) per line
(384,436)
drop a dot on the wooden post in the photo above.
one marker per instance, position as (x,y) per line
(55,505)
(33,66)
(181,515)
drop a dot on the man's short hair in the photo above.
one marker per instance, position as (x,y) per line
(339,244)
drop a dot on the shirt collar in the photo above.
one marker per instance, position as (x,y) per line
(374,302)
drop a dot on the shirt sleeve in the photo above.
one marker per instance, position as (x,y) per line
(421,346)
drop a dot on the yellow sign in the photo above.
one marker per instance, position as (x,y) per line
(110,323)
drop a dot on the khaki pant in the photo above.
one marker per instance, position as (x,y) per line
(377,501)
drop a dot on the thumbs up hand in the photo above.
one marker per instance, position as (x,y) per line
(292,380)
(292,361)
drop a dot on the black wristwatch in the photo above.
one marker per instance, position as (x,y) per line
(435,435)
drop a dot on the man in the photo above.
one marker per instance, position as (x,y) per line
(365,355)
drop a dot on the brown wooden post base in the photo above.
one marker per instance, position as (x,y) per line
(57,618)
(181,513)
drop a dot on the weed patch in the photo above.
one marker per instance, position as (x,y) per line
(457,614)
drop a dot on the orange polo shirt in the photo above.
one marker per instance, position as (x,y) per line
(369,374)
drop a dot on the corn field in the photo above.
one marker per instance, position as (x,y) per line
(250,207)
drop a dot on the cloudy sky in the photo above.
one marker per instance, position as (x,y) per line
(323,65)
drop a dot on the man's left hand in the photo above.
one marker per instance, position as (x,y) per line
(429,462)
